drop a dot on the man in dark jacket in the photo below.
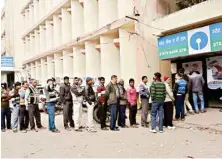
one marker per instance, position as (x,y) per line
(102,102)
(90,97)
(66,100)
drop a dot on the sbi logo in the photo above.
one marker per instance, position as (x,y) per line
(199,40)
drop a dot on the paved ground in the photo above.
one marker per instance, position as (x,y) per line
(199,136)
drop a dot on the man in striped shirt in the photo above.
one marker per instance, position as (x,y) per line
(158,95)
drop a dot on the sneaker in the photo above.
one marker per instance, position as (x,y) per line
(55,131)
(135,126)
(197,112)
(203,111)
(34,130)
(14,130)
(3,130)
(67,128)
(182,119)
(104,128)
(153,130)
(92,130)
(114,129)
(171,127)
(42,127)
(161,131)
(191,112)
(24,131)
(78,130)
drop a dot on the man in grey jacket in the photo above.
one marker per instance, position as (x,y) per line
(51,100)
(77,93)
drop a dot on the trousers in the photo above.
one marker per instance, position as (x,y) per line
(103,113)
(168,114)
(201,97)
(51,114)
(15,116)
(180,106)
(145,110)
(90,108)
(5,114)
(187,104)
(157,108)
(34,112)
(77,108)
(23,118)
(122,115)
(132,114)
(67,114)
(113,116)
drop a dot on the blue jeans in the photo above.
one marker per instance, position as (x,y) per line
(180,106)
(113,112)
(5,114)
(15,116)
(51,112)
(122,115)
(195,97)
(157,108)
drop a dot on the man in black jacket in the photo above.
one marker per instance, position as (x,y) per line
(90,97)
(66,100)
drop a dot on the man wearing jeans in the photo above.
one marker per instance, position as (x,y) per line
(197,83)
(112,93)
(51,100)
(158,95)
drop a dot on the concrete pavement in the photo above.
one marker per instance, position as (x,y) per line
(199,136)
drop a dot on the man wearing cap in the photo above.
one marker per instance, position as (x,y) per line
(66,100)
(90,97)
(51,100)
(32,104)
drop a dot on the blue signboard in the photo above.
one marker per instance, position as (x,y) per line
(7,61)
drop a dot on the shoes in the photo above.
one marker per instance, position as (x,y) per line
(14,130)
(24,131)
(34,130)
(191,112)
(220,110)
(161,131)
(145,125)
(78,130)
(104,128)
(137,124)
(171,127)
(42,127)
(55,131)
(197,112)
(3,130)
(182,119)
(153,130)
(67,128)
(92,130)
(114,129)
(203,111)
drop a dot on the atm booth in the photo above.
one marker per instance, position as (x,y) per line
(200,50)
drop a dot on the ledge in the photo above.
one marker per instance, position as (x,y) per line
(80,40)
(26,6)
(2,12)
(55,10)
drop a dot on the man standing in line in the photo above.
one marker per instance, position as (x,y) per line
(144,96)
(180,89)
(77,93)
(15,106)
(158,95)
(90,97)
(197,83)
(31,102)
(24,115)
(112,95)
(101,90)
(51,100)
(131,97)
(66,100)
(5,110)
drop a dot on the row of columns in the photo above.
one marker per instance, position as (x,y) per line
(93,62)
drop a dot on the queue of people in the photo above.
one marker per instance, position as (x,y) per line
(114,96)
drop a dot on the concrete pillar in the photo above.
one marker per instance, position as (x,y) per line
(79,63)
(77,19)
(90,15)
(31,17)
(32,42)
(110,60)
(36,11)
(92,59)
(37,42)
(43,71)
(27,47)
(58,65)
(33,71)
(66,26)
(67,64)
(42,38)
(50,67)
(57,30)
(108,12)
(128,56)
(38,71)
(48,5)
(26,19)
(49,35)
(41,8)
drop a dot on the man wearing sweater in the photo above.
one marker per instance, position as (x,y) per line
(158,95)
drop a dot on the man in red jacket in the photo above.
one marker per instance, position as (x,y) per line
(102,102)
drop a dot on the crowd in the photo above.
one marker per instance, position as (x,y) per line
(167,103)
